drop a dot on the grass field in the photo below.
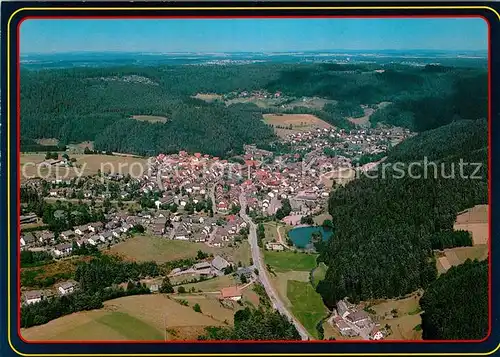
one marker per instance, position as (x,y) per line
(319,273)
(408,316)
(212,285)
(312,103)
(161,250)
(319,219)
(456,256)
(340,176)
(239,254)
(80,147)
(307,305)
(207,97)
(141,317)
(211,306)
(260,102)
(363,121)
(150,118)
(47,141)
(271,232)
(285,261)
(85,164)
(474,220)
(298,122)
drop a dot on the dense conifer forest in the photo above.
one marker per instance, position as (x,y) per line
(386,227)
(97,104)
(456,304)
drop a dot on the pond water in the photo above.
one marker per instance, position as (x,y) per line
(301,236)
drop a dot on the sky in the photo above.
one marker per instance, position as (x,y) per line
(251,35)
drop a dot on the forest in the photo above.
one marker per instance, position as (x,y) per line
(451,312)
(96,104)
(254,324)
(386,251)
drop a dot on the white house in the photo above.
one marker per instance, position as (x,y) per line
(63,249)
(81,230)
(106,235)
(94,227)
(376,334)
(91,241)
(66,288)
(95,238)
(32,297)
(274,246)
(125,227)
(67,235)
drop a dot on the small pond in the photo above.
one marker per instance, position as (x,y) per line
(301,236)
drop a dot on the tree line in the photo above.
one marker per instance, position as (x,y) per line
(387,227)
(456,304)
(79,104)
(98,279)
(254,324)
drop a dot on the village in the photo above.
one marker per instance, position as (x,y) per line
(198,198)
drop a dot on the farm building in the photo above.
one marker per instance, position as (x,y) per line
(343,327)
(376,334)
(342,309)
(32,297)
(231,293)
(274,246)
(358,317)
(220,263)
(66,288)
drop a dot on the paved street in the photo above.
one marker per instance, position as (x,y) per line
(263,275)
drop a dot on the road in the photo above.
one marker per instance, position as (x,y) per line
(280,238)
(263,275)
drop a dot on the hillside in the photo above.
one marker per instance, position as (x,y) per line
(99,104)
(459,137)
(386,227)
(450,310)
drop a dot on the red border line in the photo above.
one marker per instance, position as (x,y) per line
(246,17)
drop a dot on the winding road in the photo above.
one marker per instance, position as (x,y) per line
(263,275)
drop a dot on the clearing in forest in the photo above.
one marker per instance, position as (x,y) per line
(300,122)
(150,118)
(47,142)
(207,97)
(474,220)
(456,256)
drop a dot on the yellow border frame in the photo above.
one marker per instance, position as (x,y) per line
(201,9)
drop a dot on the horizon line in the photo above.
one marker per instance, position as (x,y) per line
(259,52)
